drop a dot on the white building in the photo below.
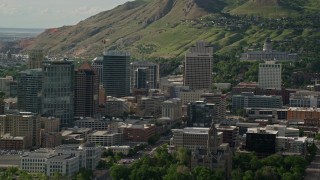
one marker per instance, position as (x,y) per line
(284,130)
(305,99)
(36,162)
(270,75)
(65,159)
(67,165)
(172,108)
(296,145)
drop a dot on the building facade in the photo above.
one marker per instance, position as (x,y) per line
(86,91)
(200,114)
(116,73)
(25,125)
(36,57)
(270,75)
(307,99)
(198,67)
(268,54)
(261,141)
(105,138)
(138,133)
(58,90)
(206,148)
(172,109)
(300,114)
(97,65)
(144,74)
(29,90)
(94,124)
(220,101)
(249,100)
(116,107)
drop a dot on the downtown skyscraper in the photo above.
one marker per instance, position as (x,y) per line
(58,90)
(86,91)
(116,73)
(198,67)
(29,90)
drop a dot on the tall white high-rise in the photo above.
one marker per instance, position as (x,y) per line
(198,66)
(270,75)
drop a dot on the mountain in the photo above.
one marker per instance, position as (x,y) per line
(168,27)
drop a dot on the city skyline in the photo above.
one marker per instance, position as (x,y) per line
(50,14)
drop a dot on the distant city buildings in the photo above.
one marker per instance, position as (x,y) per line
(198,66)
(116,73)
(270,75)
(58,90)
(268,54)
(36,57)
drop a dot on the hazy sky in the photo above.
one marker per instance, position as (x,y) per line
(50,13)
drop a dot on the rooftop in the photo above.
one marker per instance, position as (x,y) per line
(261,131)
(303,109)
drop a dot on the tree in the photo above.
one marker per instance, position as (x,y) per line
(248,175)
(266,173)
(107,153)
(152,140)
(119,172)
(183,156)
(203,173)
(57,176)
(176,172)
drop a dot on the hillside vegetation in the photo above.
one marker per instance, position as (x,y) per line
(167,28)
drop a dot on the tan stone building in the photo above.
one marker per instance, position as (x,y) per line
(24,124)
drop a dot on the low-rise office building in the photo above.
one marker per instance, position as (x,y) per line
(8,142)
(300,114)
(105,138)
(261,141)
(249,100)
(138,133)
(94,124)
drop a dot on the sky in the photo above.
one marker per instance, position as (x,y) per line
(50,13)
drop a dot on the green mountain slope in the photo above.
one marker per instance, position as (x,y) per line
(168,27)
